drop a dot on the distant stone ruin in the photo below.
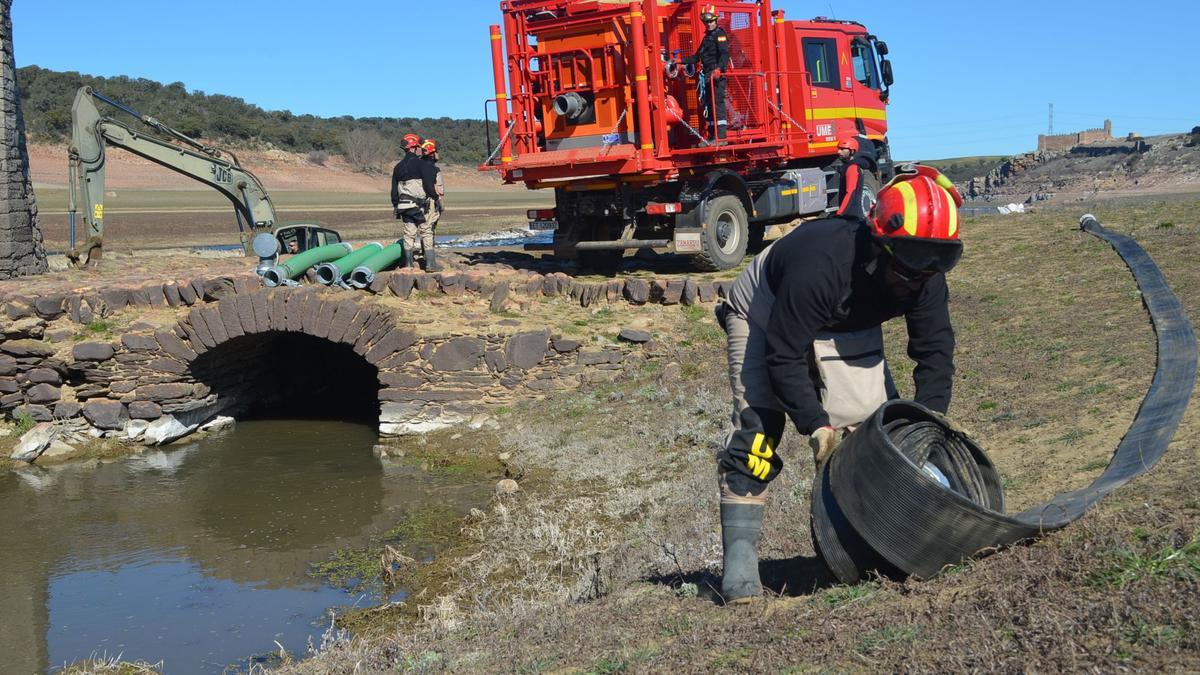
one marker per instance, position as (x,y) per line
(1063,142)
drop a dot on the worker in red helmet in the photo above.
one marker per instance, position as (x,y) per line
(858,176)
(422,233)
(713,57)
(805,342)
(414,188)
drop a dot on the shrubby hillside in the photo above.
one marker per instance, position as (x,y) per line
(46,97)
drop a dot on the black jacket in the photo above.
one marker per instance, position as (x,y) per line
(713,52)
(828,275)
(412,167)
(859,185)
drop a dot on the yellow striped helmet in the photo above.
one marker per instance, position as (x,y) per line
(917,213)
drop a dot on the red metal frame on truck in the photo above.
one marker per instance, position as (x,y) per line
(776,91)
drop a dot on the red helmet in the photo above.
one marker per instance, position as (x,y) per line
(429,146)
(411,141)
(708,13)
(848,143)
(917,214)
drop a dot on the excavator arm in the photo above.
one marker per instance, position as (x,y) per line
(92,131)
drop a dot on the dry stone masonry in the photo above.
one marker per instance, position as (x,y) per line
(220,355)
(21,250)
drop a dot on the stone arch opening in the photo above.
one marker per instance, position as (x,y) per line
(289,375)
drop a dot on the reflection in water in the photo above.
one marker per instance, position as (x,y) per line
(199,555)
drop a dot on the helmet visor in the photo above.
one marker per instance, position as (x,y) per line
(926,255)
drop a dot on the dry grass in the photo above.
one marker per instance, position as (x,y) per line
(604,561)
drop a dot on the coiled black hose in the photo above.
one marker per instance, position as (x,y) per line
(907,494)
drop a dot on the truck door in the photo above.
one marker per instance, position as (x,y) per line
(870,114)
(829,78)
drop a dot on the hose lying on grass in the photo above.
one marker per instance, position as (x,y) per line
(907,494)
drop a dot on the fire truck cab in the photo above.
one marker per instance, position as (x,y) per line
(592,102)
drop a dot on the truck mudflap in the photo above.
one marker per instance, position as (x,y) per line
(688,239)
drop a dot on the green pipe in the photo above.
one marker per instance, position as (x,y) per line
(296,265)
(332,272)
(364,274)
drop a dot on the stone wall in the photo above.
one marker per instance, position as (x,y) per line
(1063,142)
(424,381)
(21,250)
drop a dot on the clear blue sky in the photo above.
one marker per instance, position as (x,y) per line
(971,78)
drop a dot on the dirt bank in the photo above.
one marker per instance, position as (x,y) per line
(605,560)
(277,169)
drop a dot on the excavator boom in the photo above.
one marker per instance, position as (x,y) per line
(91,132)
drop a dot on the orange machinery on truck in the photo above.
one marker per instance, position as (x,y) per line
(597,108)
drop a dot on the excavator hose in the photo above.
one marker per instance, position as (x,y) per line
(907,494)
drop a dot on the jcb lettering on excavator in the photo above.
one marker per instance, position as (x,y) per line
(221,174)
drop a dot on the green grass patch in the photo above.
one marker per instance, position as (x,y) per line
(840,595)
(731,658)
(95,328)
(1126,567)
(1074,435)
(23,422)
(885,637)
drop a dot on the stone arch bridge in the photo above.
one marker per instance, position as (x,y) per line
(228,346)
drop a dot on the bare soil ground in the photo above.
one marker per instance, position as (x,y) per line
(149,206)
(606,559)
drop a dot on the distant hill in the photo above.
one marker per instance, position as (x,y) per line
(959,169)
(46,97)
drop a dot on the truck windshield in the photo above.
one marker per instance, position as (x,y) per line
(864,64)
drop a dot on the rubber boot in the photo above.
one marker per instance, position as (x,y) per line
(741,525)
(431,263)
(408,258)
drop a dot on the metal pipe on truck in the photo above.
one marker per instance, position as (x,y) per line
(641,86)
(506,154)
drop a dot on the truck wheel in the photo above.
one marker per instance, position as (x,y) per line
(723,242)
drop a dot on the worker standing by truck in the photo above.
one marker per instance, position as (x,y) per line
(429,155)
(713,57)
(805,340)
(859,177)
(413,188)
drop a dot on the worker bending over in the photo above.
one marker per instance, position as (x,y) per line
(713,57)
(859,177)
(413,188)
(805,340)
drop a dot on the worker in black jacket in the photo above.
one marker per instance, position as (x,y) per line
(858,175)
(414,188)
(805,341)
(713,57)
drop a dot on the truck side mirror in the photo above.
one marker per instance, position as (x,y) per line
(885,67)
(881,47)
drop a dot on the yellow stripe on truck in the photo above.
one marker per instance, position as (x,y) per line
(842,113)
(910,207)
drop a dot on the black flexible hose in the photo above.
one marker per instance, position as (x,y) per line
(878,506)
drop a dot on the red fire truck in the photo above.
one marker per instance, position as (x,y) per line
(591,102)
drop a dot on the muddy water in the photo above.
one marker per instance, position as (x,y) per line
(200,556)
